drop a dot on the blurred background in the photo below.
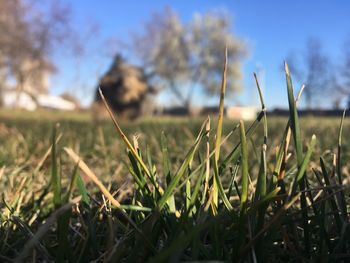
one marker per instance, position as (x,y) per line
(166,58)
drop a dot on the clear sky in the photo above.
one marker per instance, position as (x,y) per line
(272,28)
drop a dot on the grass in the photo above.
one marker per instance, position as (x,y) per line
(273,189)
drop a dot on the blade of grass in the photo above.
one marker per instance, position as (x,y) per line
(167,172)
(82,190)
(332,198)
(302,169)
(196,189)
(46,155)
(233,156)
(339,170)
(219,131)
(104,190)
(55,177)
(127,142)
(299,152)
(244,159)
(221,190)
(71,185)
(207,162)
(294,116)
(261,182)
(181,171)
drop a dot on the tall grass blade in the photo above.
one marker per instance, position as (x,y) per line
(294,116)
(126,140)
(219,130)
(55,175)
(302,168)
(332,199)
(299,152)
(244,160)
(207,162)
(182,170)
(82,190)
(104,190)
(167,172)
(261,182)
(339,170)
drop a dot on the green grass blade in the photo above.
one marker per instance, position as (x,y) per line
(182,170)
(221,191)
(299,152)
(72,184)
(233,156)
(244,160)
(82,190)
(196,190)
(261,182)
(260,189)
(188,194)
(233,174)
(207,162)
(55,175)
(332,199)
(302,169)
(339,170)
(294,117)
(219,130)
(166,171)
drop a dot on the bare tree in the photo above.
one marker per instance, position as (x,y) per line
(179,55)
(313,68)
(344,72)
(346,65)
(31,30)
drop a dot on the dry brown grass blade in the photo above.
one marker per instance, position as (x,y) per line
(82,165)
(2,171)
(122,134)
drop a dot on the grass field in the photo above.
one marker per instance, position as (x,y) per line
(26,138)
(172,190)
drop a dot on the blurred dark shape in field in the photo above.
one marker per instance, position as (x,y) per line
(125,88)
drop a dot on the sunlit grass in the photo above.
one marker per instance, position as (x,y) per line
(165,191)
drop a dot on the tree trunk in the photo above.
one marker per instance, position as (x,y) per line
(19,90)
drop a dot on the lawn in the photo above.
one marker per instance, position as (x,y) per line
(75,189)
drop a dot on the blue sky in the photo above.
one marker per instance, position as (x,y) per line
(272,28)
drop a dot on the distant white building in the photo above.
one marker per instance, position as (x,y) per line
(242,113)
(25,100)
(32,93)
(55,102)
